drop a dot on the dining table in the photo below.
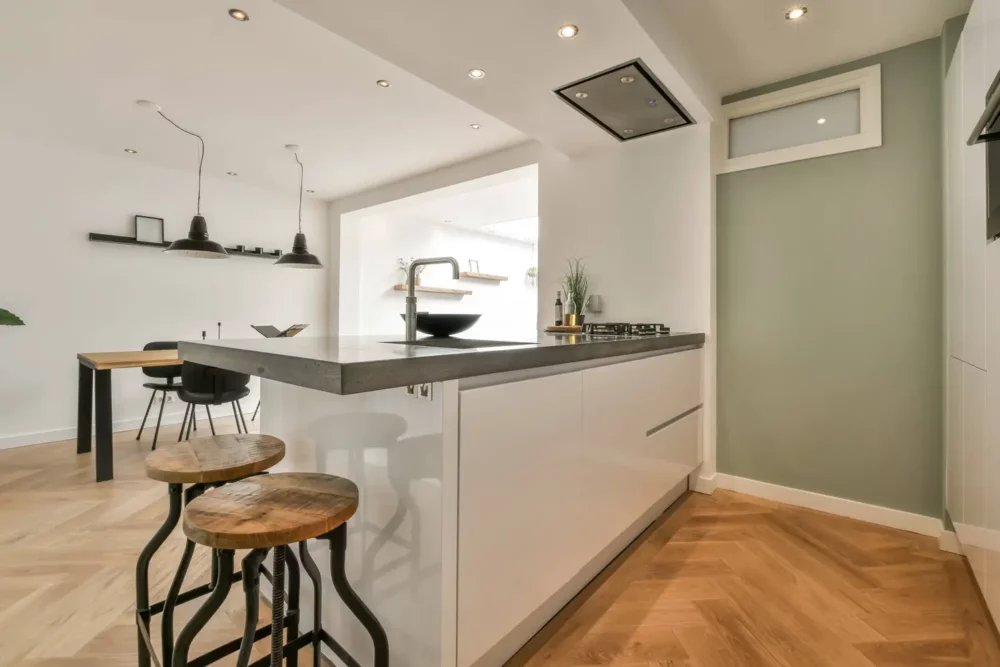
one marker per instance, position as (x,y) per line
(94,400)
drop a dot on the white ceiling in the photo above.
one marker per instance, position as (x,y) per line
(740,45)
(485,204)
(71,70)
(515,42)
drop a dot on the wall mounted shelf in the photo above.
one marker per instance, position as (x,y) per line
(482,276)
(125,240)
(274,254)
(433,290)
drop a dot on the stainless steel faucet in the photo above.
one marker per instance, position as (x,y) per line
(411,298)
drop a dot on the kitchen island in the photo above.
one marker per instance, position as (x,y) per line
(495,481)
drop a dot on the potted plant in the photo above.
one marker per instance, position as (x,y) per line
(404,266)
(577,287)
(10,319)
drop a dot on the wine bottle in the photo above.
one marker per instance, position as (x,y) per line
(559,309)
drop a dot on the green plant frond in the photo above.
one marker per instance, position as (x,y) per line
(10,319)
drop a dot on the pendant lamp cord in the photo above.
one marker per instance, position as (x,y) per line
(201,158)
(302,175)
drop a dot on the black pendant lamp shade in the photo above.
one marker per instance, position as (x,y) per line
(197,243)
(299,257)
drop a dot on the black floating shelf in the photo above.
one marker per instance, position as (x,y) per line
(125,240)
(274,254)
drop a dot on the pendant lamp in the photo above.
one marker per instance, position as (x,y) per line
(197,243)
(299,257)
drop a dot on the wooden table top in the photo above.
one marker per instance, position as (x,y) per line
(104,361)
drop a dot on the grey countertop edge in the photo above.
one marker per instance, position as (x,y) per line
(360,377)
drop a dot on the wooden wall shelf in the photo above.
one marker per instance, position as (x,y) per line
(125,240)
(433,290)
(482,276)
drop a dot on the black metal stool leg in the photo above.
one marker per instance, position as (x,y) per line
(292,623)
(174,492)
(187,409)
(159,418)
(338,552)
(143,424)
(251,588)
(317,581)
(170,603)
(206,611)
(278,608)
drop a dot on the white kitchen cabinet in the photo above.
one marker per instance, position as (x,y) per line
(954,236)
(554,469)
(955,493)
(974,436)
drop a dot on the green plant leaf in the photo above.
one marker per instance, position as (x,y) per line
(10,319)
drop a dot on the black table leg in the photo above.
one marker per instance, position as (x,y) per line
(102,416)
(84,409)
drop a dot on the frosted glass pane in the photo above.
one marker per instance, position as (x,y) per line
(805,123)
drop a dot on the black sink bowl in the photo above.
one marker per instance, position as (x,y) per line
(442,325)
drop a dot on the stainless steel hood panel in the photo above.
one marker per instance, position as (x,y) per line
(627,101)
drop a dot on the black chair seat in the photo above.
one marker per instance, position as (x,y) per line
(199,398)
(161,386)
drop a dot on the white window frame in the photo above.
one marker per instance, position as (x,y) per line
(867,80)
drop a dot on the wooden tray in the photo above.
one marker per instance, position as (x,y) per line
(564,329)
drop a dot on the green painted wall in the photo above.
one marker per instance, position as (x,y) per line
(830,306)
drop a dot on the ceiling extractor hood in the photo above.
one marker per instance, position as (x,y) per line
(627,101)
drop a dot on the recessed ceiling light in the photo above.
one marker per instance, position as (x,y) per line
(239,14)
(568,31)
(231,173)
(475,126)
(312,192)
(796,13)
(477,73)
(821,121)
(628,78)
(383,83)
(131,151)
(582,95)
(628,130)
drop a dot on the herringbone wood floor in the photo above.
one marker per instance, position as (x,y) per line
(719,581)
(729,580)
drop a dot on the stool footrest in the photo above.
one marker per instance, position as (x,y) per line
(338,649)
(187,596)
(299,642)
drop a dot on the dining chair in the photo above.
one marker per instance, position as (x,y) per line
(165,376)
(208,386)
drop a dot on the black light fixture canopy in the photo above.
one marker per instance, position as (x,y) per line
(299,257)
(197,243)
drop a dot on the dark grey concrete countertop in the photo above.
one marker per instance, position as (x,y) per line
(356,364)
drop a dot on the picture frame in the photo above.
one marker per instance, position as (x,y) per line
(148,229)
(473,266)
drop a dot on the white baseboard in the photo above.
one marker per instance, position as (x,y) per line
(948,541)
(704,483)
(56,435)
(883,516)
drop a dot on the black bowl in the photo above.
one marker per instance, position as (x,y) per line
(442,325)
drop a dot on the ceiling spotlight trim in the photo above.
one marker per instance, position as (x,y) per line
(383,83)
(476,73)
(231,173)
(475,126)
(802,9)
(568,31)
(653,80)
(239,14)
(131,151)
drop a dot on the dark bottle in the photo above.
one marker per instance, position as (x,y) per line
(559,309)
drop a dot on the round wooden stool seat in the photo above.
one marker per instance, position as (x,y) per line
(270,510)
(218,458)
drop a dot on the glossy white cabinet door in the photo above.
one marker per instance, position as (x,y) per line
(519,499)
(955,489)
(974,86)
(954,232)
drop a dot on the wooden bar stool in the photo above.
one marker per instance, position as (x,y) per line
(202,463)
(273,512)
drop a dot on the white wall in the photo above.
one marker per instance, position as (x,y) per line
(972,282)
(507,308)
(80,296)
(640,216)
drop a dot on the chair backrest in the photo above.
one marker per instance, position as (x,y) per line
(162,372)
(199,379)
